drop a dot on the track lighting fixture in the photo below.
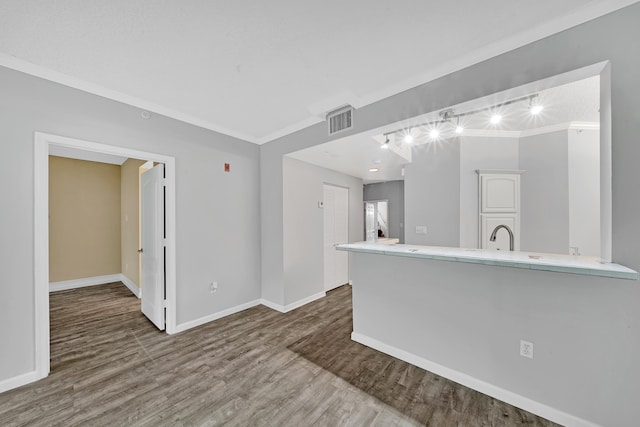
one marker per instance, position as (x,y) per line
(408,138)
(535,108)
(459,128)
(385,145)
(435,129)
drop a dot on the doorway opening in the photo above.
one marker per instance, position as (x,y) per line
(42,144)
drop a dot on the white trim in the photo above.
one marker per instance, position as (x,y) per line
(491,133)
(496,133)
(272,305)
(500,171)
(96,89)
(489,51)
(507,396)
(135,289)
(215,316)
(585,125)
(19,381)
(41,255)
(559,127)
(94,281)
(282,309)
(42,141)
(289,307)
(84,282)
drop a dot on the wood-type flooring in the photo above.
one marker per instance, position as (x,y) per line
(259,367)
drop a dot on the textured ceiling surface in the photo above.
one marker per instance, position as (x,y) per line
(260,70)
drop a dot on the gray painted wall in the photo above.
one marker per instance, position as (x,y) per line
(393,191)
(544,193)
(304,225)
(480,153)
(432,194)
(217,213)
(608,367)
(218,217)
(472,317)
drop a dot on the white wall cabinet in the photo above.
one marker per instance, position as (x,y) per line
(499,204)
(499,193)
(490,221)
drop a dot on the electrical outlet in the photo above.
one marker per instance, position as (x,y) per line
(213,287)
(526,349)
(421,229)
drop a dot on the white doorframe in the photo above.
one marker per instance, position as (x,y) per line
(42,142)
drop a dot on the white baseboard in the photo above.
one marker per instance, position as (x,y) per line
(81,283)
(19,381)
(272,305)
(289,307)
(132,286)
(215,316)
(509,397)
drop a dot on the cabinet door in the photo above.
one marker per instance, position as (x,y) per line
(488,222)
(500,193)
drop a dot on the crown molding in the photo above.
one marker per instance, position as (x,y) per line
(32,69)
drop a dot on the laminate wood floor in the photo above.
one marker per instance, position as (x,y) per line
(111,367)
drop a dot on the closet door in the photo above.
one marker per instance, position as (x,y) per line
(336,231)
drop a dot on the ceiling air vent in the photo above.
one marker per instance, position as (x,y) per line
(341,119)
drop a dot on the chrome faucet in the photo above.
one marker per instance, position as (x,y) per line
(495,231)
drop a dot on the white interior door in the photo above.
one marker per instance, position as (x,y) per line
(152,251)
(341,235)
(336,231)
(370,234)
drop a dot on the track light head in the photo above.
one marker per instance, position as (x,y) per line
(535,107)
(447,114)
(408,138)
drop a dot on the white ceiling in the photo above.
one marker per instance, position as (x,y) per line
(92,156)
(571,104)
(259,70)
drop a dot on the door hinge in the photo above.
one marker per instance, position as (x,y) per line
(164,303)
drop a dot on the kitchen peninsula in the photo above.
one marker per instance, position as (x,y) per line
(463,313)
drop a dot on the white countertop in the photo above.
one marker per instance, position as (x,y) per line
(589,266)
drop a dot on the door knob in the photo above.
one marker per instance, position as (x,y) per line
(140,251)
